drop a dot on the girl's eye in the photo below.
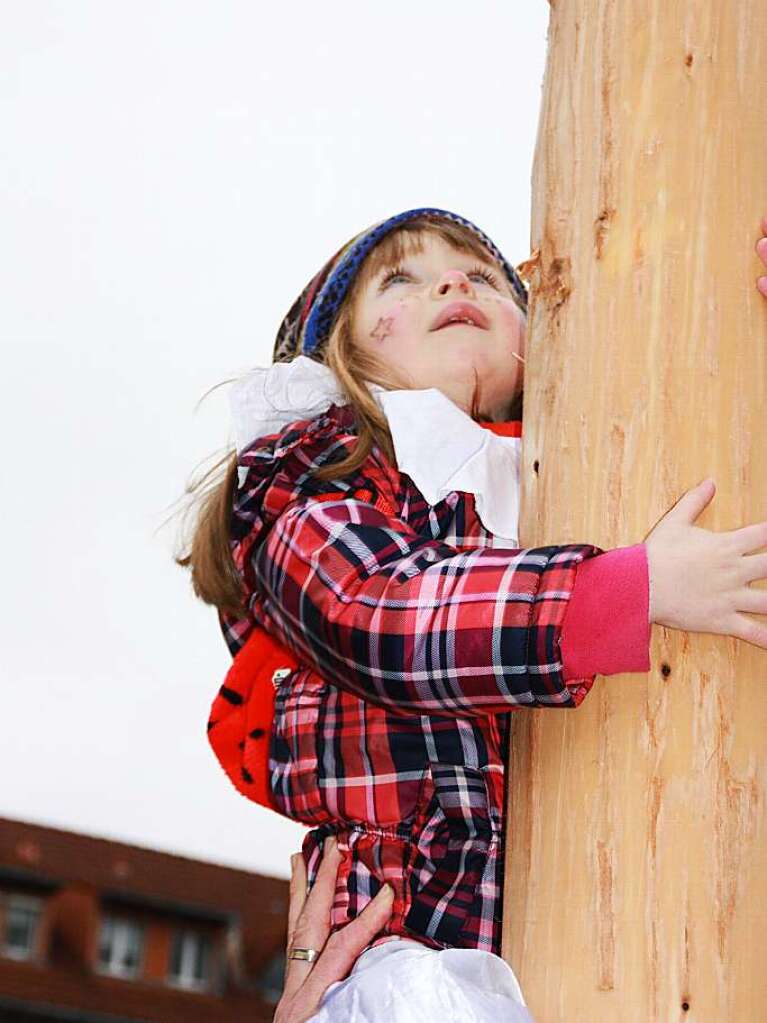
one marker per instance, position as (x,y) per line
(397,271)
(486,275)
(477,271)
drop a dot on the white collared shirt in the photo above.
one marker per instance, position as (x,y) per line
(436,443)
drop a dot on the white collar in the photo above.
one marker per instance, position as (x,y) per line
(474,460)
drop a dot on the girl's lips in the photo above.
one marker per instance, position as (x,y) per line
(461,310)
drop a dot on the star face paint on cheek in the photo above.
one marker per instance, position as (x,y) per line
(382,329)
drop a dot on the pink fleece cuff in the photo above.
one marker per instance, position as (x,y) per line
(606,628)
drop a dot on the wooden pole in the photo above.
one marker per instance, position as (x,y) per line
(636,886)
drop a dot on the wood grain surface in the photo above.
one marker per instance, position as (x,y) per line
(636,880)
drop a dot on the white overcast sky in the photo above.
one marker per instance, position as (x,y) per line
(171,175)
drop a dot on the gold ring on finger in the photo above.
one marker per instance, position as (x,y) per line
(307,954)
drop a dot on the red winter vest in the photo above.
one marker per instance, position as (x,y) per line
(240,723)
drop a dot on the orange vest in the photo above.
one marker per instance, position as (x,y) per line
(240,723)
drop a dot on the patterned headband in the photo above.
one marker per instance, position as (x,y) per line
(307,326)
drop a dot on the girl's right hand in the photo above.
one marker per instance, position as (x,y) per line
(699,580)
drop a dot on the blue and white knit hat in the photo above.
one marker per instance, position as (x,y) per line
(307,326)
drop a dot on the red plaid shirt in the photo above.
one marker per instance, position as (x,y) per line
(415,639)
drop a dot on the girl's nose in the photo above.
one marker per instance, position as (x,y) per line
(455,279)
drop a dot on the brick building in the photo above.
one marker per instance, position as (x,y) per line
(100,932)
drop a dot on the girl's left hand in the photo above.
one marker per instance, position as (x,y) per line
(761,250)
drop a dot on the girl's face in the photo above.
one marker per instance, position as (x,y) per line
(400,314)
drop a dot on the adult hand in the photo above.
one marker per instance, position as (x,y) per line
(309,927)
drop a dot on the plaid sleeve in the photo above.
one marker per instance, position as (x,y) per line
(411,623)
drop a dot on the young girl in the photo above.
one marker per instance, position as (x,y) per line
(362,551)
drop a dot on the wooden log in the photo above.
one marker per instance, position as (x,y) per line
(636,886)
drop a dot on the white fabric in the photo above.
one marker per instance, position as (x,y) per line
(269,398)
(442,449)
(403,981)
(436,443)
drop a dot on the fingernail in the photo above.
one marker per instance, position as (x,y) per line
(330,843)
(294,860)
(385,892)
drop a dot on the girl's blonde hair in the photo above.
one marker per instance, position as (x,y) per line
(215,578)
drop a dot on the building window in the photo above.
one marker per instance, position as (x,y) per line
(190,960)
(22,917)
(272,979)
(120,945)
